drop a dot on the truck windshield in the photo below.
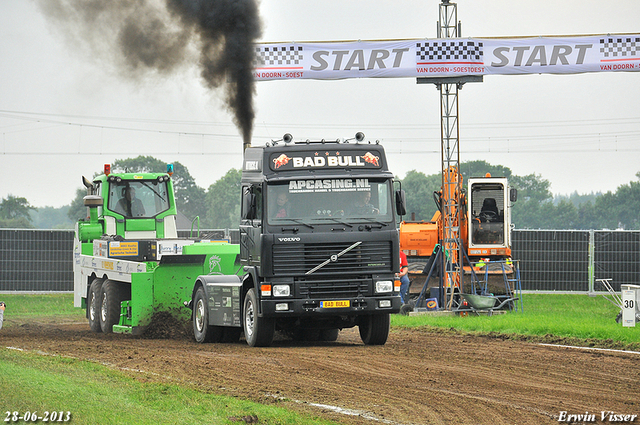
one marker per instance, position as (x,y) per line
(348,200)
(138,199)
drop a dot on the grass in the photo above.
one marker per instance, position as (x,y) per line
(95,394)
(28,306)
(577,317)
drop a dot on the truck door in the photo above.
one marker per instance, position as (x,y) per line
(251,224)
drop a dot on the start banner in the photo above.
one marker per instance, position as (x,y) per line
(447,57)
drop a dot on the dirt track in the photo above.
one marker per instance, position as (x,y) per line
(418,377)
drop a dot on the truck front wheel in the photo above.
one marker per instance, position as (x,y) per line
(258,331)
(94,304)
(374,330)
(201,329)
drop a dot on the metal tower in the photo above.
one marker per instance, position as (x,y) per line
(451,203)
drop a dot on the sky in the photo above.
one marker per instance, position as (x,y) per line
(65,111)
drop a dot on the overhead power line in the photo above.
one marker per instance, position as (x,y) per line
(614,140)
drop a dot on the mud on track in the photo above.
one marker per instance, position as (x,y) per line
(418,377)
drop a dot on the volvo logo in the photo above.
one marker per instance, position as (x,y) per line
(334,258)
(289,239)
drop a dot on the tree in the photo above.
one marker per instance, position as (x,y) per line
(577,199)
(51,218)
(14,212)
(605,211)
(481,168)
(534,207)
(419,190)
(77,210)
(532,186)
(628,205)
(223,202)
(586,216)
(564,216)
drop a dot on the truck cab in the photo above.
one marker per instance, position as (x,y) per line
(140,206)
(318,240)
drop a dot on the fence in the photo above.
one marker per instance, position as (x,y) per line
(36,260)
(550,260)
(573,260)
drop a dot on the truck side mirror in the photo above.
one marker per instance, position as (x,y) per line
(401,202)
(248,204)
(513,195)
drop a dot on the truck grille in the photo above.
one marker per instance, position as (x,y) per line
(334,288)
(365,259)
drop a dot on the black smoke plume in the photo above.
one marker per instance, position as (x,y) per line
(162,37)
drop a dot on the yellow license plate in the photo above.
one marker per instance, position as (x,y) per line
(335,304)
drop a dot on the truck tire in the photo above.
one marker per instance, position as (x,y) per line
(329,335)
(231,334)
(111,296)
(305,334)
(94,302)
(374,329)
(258,331)
(202,331)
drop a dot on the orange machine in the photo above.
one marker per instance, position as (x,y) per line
(484,224)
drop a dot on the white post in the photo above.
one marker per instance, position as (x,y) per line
(630,295)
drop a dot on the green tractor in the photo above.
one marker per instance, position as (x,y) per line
(129,263)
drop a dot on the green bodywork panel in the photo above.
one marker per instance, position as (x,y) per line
(87,248)
(170,284)
(139,224)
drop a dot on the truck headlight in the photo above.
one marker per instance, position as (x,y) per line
(384,286)
(281,290)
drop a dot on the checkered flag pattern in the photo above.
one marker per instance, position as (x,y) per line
(277,55)
(441,51)
(620,47)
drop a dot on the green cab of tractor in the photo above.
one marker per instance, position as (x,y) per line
(129,205)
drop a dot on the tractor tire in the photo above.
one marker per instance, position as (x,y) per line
(374,329)
(94,303)
(111,297)
(202,331)
(258,331)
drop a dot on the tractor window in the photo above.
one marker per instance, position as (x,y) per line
(138,199)
(99,192)
(487,213)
